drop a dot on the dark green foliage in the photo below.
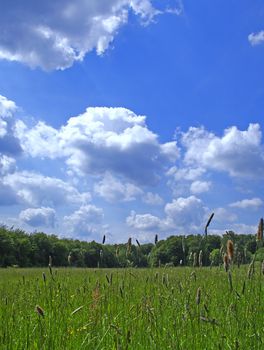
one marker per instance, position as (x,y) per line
(28,250)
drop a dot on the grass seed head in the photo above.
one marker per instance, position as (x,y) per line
(129,245)
(39,311)
(230,250)
(260,230)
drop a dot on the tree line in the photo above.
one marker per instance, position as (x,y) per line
(20,249)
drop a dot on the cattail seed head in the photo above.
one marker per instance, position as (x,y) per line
(230,250)
(103,241)
(117,252)
(129,244)
(50,261)
(138,243)
(260,230)
(156,239)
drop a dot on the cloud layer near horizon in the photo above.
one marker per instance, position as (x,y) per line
(110,172)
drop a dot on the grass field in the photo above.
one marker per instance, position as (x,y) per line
(165,308)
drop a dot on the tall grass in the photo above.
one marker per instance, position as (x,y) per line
(163,308)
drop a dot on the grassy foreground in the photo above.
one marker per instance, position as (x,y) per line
(176,308)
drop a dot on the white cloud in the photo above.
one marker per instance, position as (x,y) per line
(253,203)
(86,221)
(7,164)
(146,222)
(182,215)
(187,174)
(113,190)
(222,215)
(200,186)
(39,141)
(36,189)
(186,213)
(240,153)
(152,199)
(55,34)
(9,144)
(256,38)
(103,139)
(37,217)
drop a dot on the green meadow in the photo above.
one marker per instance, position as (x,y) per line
(156,308)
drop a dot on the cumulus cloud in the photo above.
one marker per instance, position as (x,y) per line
(256,38)
(37,217)
(253,203)
(86,221)
(9,143)
(40,141)
(152,199)
(36,189)
(103,139)
(7,107)
(185,173)
(185,212)
(223,215)
(7,164)
(55,34)
(146,222)
(200,186)
(240,153)
(113,190)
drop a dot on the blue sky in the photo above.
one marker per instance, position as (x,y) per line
(131,118)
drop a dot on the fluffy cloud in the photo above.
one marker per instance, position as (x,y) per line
(256,38)
(181,215)
(253,203)
(222,215)
(37,217)
(146,222)
(36,189)
(7,164)
(86,221)
(7,107)
(185,173)
(200,186)
(103,139)
(152,199)
(113,190)
(240,153)
(9,143)
(40,141)
(185,213)
(54,34)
